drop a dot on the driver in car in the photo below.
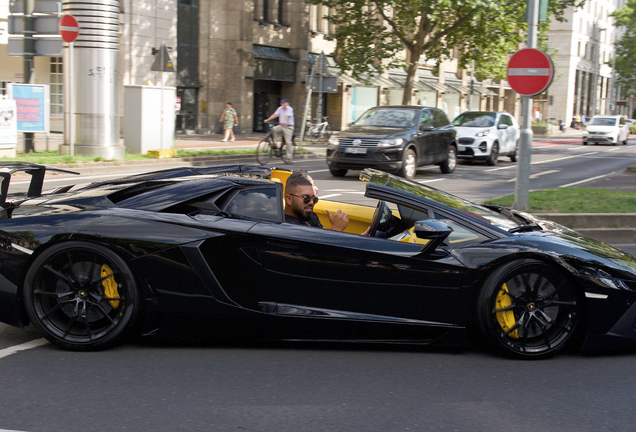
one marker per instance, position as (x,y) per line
(299,203)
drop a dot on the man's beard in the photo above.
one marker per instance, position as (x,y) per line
(302,214)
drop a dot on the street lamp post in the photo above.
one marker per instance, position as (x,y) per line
(597,66)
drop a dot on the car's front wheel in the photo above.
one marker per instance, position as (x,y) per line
(338,172)
(80,296)
(448,166)
(494,155)
(528,309)
(409,165)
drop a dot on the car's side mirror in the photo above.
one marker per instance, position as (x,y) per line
(426,128)
(433,230)
(502,126)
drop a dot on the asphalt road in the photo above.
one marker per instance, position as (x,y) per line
(318,387)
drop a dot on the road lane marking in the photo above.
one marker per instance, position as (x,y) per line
(584,181)
(330,196)
(430,181)
(25,346)
(537,175)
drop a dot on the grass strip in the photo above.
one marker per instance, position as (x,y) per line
(575,200)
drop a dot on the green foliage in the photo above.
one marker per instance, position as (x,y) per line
(373,34)
(626,47)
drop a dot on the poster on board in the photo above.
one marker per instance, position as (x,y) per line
(32,106)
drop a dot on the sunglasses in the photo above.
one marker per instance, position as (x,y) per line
(307,198)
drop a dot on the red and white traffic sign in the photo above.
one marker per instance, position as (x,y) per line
(69,28)
(530,71)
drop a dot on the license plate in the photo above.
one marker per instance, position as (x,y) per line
(355,150)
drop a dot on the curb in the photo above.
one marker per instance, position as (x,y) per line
(605,227)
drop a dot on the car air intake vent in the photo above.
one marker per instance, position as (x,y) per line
(363,142)
(466,140)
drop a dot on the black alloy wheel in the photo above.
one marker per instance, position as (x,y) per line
(529,309)
(264,151)
(494,155)
(81,296)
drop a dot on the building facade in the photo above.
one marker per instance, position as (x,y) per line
(252,53)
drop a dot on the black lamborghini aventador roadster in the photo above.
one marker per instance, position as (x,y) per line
(205,252)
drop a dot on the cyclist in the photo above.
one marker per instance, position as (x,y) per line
(285,114)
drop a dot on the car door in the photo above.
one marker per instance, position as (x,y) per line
(441,136)
(424,139)
(358,281)
(507,139)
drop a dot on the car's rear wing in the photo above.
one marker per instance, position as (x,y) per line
(36,171)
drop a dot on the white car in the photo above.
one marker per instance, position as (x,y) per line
(485,135)
(606,129)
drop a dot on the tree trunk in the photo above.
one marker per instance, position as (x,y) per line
(411,70)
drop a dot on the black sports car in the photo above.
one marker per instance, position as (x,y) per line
(204,252)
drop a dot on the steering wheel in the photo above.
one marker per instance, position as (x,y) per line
(379,218)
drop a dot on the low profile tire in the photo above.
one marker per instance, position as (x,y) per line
(528,309)
(338,172)
(409,165)
(264,152)
(494,154)
(448,166)
(515,155)
(81,296)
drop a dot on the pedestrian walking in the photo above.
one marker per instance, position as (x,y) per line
(229,118)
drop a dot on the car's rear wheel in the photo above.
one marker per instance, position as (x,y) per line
(528,309)
(338,172)
(448,166)
(514,156)
(409,165)
(81,296)
(494,155)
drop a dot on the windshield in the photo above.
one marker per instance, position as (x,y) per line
(603,121)
(475,119)
(480,212)
(388,117)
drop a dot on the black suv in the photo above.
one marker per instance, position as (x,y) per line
(395,139)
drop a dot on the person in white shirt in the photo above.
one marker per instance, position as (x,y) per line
(285,114)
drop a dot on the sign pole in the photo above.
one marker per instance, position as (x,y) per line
(69,30)
(522,187)
(71,95)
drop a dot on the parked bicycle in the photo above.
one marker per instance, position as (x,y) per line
(268,148)
(319,131)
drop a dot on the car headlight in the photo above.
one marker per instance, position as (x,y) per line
(333,140)
(483,133)
(390,142)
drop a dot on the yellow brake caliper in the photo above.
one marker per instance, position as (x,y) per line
(506,319)
(110,286)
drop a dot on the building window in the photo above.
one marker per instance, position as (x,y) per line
(281,11)
(57,86)
(265,10)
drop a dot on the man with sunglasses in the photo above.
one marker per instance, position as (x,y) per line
(300,198)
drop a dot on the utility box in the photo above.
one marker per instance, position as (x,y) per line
(148,127)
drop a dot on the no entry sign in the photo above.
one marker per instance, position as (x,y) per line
(69,28)
(530,71)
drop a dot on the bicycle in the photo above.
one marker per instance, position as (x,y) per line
(268,148)
(319,131)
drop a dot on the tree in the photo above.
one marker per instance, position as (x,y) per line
(625,66)
(381,34)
